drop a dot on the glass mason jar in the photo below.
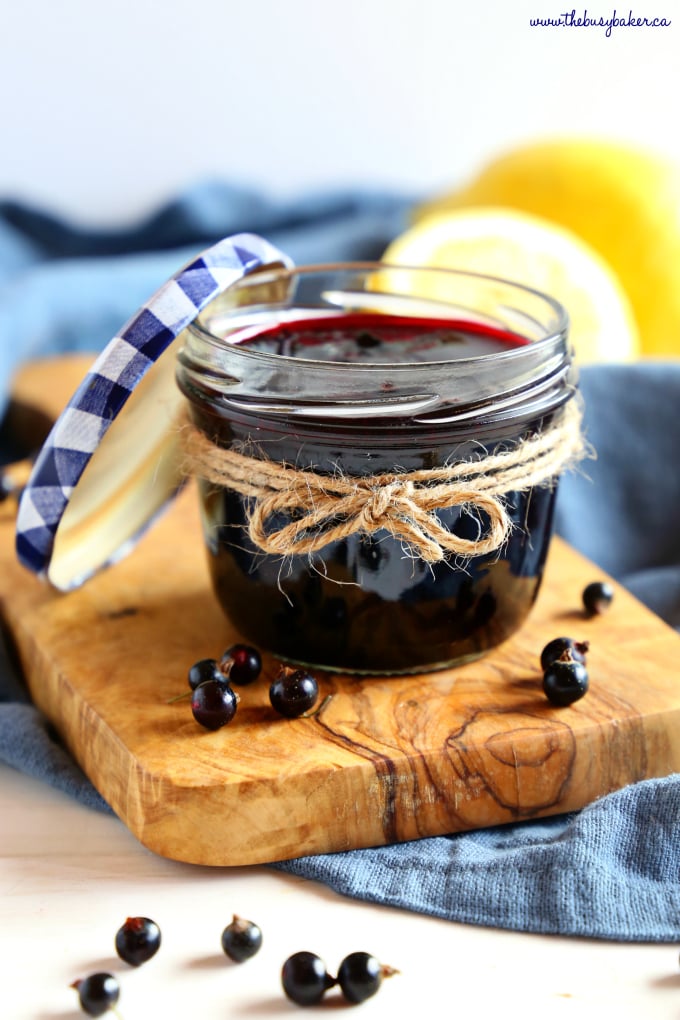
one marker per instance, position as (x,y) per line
(361,415)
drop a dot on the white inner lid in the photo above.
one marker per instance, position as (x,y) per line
(130,477)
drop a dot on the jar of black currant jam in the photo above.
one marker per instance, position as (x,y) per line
(370,444)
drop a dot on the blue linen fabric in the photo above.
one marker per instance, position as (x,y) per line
(611,871)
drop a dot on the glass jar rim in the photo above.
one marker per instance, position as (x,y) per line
(239,379)
(557,332)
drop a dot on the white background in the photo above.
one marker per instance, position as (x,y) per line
(110,109)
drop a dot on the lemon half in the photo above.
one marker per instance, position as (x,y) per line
(535,252)
(621,200)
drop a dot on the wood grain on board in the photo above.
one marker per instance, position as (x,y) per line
(387,760)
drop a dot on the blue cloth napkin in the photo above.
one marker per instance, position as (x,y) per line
(611,871)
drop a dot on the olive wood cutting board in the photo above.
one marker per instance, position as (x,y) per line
(387,760)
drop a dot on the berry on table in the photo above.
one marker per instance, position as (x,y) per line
(137,940)
(204,669)
(597,597)
(241,939)
(565,681)
(241,664)
(305,979)
(213,704)
(558,646)
(97,993)
(293,692)
(199,673)
(360,975)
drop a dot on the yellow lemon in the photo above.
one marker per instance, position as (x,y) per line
(622,201)
(532,251)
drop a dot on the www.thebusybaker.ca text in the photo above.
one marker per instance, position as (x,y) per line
(569,19)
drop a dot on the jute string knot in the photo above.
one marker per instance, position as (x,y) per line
(300,511)
(384,500)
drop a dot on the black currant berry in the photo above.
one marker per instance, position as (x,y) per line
(305,979)
(360,976)
(242,664)
(597,597)
(137,940)
(97,993)
(205,669)
(565,681)
(293,692)
(213,704)
(556,648)
(241,939)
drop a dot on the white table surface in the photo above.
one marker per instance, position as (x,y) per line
(69,877)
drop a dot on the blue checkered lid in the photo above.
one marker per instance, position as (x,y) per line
(79,511)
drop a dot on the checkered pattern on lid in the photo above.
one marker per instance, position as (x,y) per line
(104,392)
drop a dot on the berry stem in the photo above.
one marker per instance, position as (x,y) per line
(179,697)
(317,711)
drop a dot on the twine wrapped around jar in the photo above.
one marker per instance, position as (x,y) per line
(322,508)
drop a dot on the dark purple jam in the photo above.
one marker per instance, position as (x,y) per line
(363,604)
(382,339)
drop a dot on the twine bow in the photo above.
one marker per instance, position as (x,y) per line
(319,509)
(326,510)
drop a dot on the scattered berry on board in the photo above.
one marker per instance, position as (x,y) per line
(204,669)
(213,704)
(565,681)
(597,597)
(293,692)
(556,648)
(241,664)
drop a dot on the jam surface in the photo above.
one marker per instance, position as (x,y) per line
(382,339)
(367,604)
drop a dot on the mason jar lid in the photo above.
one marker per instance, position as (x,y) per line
(110,463)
